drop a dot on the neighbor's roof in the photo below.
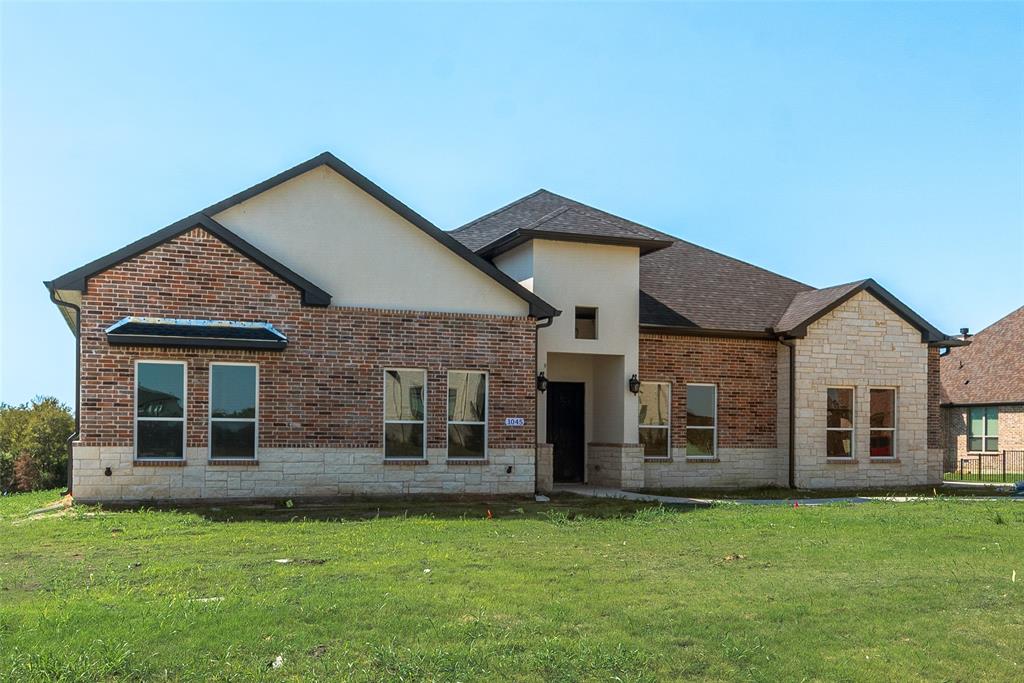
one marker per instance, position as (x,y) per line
(312,295)
(991,369)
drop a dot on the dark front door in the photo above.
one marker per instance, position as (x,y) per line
(565,429)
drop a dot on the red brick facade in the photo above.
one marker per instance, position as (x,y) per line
(326,388)
(745,371)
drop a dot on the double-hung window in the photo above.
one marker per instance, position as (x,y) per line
(701,420)
(839,422)
(405,427)
(160,409)
(467,414)
(983,430)
(883,423)
(234,410)
(655,417)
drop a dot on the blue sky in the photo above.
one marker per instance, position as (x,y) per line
(827,142)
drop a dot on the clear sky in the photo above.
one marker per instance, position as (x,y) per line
(827,142)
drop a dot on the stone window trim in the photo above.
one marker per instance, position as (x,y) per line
(183,419)
(852,429)
(892,430)
(161,462)
(667,427)
(714,424)
(484,423)
(211,419)
(397,460)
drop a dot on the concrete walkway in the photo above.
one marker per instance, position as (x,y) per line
(602,492)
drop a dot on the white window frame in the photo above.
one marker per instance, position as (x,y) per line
(853,423)
(984,435)
(487,413)
(386,421)
(668,441)
(184,410)
(211,419)
(895,422)
(714,428)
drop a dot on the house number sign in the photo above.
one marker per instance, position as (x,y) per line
(515,421)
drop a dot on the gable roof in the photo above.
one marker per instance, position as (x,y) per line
(77,279)
(312,295)
(991,369)
(809,306)
(538,307)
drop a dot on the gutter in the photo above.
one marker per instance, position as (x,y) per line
(78,373)
(791,345)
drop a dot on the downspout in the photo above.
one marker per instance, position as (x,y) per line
(547,321)
(791,345)
(78,375)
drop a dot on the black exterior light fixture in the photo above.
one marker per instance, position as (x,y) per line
(542,383)
(634,385)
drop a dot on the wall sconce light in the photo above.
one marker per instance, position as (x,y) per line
(542,383)
(634,385)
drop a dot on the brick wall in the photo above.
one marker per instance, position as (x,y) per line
(934,398)
(1011,433)
(326,389)
(744,370)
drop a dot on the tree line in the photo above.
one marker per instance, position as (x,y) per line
(33,444)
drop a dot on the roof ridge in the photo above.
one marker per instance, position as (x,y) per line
(540,221)
(500,209)
(997,322)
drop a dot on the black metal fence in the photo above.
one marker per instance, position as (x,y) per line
(1006,466)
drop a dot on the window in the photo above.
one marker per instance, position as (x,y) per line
(655,412)
(883,423)
(467,414)
(983,430)
(839,423)
(404,414)
(701,420)
(159,409)
(586,322)
(234,410)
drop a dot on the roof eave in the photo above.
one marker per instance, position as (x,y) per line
(522,235)
(687,331)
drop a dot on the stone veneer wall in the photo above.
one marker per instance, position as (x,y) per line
(1011,437)
(863,344)
(617,465)
(747,375)
(321,414)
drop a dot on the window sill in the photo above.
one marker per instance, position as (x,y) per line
(469,461)
(142,462)
(657,458)
(702,458)
(238,462)
(884,459)
(406,461)
(983,453)
(841,461)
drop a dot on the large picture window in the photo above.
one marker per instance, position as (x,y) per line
(404,413)
(883,423)
(160,409)
(467,414)
(701,420)
(839,422)
(983,430)
(234,410)
(655,417)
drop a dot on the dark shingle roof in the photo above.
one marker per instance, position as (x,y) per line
(807,304)
(991,369)
(683,285)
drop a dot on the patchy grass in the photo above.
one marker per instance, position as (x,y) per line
(576,590)
(989,477)
(778,493)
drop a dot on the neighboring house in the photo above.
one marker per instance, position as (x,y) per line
(983,397)
(315,336)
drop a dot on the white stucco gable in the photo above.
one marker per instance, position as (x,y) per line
(324,226)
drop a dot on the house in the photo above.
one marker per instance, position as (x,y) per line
(983,399)
(314,336)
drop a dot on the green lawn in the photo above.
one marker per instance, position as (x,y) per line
(576,590)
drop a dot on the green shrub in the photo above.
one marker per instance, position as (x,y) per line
(33,444)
